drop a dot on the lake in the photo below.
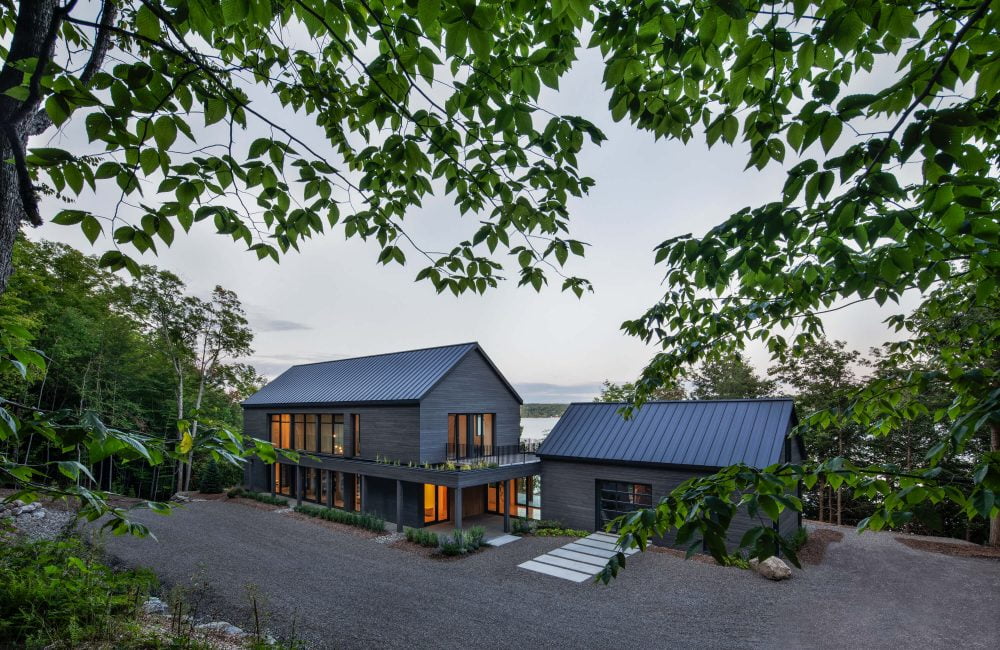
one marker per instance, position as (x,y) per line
(536,428)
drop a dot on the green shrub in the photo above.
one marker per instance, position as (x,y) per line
(521,526)
(365,520)
(264,497)
(234,492)
(58,594)
(549,523)
(461,541)
(800,538)
(422,536)
(560,532)
(211,479)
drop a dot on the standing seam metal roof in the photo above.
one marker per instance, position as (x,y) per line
(393,377)
(695,433)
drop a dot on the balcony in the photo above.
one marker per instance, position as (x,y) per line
(486,455)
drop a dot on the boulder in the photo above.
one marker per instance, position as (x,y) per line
(221,627)
(154,606)
(772,568)
(38,514)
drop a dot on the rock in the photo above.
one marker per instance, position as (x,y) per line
(772,568)
(154,606)
(222,627)
(38,514)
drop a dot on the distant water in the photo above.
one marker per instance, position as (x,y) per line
(536,428)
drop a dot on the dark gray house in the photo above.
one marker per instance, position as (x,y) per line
(597,465)
(421,437)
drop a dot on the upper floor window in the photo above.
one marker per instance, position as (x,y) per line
(323,433)
(470,435)
(356,426)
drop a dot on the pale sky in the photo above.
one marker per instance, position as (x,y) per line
(332,300)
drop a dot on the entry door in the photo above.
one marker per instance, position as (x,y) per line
(435,503)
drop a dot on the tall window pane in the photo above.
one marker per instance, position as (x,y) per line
(300,431)
(286,431)
(488,432)
(276,430)
(338,434)
(310,432)
(326,433)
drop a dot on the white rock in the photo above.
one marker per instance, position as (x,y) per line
(38,514)
(772,568)
(154,606)
(220,626)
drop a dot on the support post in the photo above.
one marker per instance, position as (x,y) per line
(399,506)
(458,507)
(272,475)
(506,506)
(331,487)
(298,485)
(364,493)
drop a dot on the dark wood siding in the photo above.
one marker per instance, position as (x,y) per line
(391,432)
(470,387)
(569,492)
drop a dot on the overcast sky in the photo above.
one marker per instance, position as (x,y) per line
(332,300)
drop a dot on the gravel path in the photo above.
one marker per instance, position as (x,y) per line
(332,589)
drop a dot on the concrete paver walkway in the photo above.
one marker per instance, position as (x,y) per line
(577,561)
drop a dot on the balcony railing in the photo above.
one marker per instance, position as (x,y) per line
(499,455)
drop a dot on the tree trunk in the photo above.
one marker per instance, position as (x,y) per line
(995,521)
(30,41)
(822,495)
(180,416)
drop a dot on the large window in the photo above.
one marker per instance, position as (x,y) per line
(470,435)
(435,503)
(526,497)
(615,498)
(323,433)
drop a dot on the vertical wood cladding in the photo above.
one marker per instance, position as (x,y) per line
(569,494)
(470,387)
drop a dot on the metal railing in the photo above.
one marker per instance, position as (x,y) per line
(499,455)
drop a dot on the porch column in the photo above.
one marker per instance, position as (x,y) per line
(458,507)
(298,484)
(272,470)
(364,492)
(331,486)
(506,506)
(399,506)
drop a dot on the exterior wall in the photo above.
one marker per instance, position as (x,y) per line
(381,499)
(569,492)
(470,387)
(387,431)
(789,522)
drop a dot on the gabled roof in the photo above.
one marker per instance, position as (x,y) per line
(397,377)
(690,433)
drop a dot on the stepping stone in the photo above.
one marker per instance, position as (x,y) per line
(607,546)
(579,557)
(604,537)
(502,539)
(555,571)
(573,565)
(599,552)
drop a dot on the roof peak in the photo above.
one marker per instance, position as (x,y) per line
(386,354)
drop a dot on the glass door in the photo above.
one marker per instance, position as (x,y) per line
(435,503)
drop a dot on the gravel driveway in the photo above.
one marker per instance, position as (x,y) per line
(332,589)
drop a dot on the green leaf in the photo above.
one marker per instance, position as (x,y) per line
(235,11)
(91,228)
(164,131)
(832,128)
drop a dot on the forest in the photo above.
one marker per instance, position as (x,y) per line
(138,354)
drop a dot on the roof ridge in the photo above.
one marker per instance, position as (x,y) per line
(385,354)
